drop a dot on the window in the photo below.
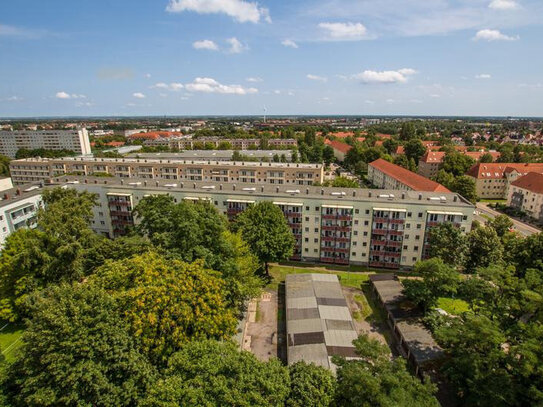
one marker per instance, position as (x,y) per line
(316,230)
(365,233)
(409,214)
(366,223)
(316,240)
(416,248)
(356,211)
(408,225)
(306,249)
(364,244)
(367,211)
(420,214)
(405,247)
(100,213)
(102,222)
(307,218)
(356,222)
(315,251)
(353,253)
(316,208)
(307,229)
(417,237)
(307,208)
(307,240)
(419,226)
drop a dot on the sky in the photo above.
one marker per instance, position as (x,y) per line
(282,57)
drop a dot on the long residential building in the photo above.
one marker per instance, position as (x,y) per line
(74,140)
(42,169)
(384,174)
(526,194)
(188,142)
(492,180)
(216,155)
(386,229)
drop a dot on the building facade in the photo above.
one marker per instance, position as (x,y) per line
(385,229)
(18,209)
(74,140)
(189,143)
(526,194)
(385,175)
(40,169)
(432,161)
(492,180)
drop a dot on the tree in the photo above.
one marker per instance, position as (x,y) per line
(456,163)
(328,155)
(437,280)
(408,131)
(77,351)
(210,373)
(224,145)
(264,227)
(168,302)
(191,231)
(486,158)
(477,364)
(310,386)
(54,252)
(528,254)
(344,182)
(414,150)
(484,248)
(465,186)
(377,381)
(4,166)
(447,242)
(391,145)
(501,224)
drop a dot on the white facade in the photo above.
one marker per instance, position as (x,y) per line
(18,210)
(331,225)
(74,140)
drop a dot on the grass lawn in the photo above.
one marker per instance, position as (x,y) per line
(10,340)
(453,306)
(346,278)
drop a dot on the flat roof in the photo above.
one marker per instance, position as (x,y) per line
(282,193)
(144,161)
(319,323)
(187,154)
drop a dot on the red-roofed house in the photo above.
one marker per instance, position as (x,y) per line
(340,149)
(526,194)
(153,135)
(385,175)
(432,161)
(492,180)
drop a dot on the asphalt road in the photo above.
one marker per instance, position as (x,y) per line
(523,228)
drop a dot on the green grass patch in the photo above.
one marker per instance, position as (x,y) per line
(365,309)
(10,340)
(258,314)
(346,278)
(500,201)
(453,306)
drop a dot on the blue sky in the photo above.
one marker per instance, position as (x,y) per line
(199,57)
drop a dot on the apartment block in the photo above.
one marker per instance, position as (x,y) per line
(492,180)
(385,175)
(385,229)
(41,169)
(74,140)
(189,143)
(432,161)
(18,209)
(526,194)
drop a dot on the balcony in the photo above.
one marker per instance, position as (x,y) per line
(327,259)
(381,232)
(395,232)
(115,202)
(382,264)
(293,214)
(397,221)
(120,213)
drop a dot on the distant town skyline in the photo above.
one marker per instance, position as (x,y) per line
(239,57)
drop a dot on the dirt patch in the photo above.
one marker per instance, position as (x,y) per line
(362,323)
(261,332)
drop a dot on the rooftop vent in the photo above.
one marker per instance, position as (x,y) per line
(293,191)
(208,187)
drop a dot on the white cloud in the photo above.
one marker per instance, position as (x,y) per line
(316,78)
(205,44)
(138,95)
(84,104)
(65,95)
(277,92)
(289,43)
(240,10)
(503,5)
(147,75)
(493,35)
(174,86)
(399,76)
(483,76)
(20,32)
(210,85)
(345,31)
(369,102)
(254,79)
(14,99)
(236,46)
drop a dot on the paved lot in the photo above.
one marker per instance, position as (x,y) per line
(262,329)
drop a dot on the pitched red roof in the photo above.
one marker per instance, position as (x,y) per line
(433,157)
(498,170)
(412,180)
(533,182)
(338,145)
(153,135)
(476,155)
